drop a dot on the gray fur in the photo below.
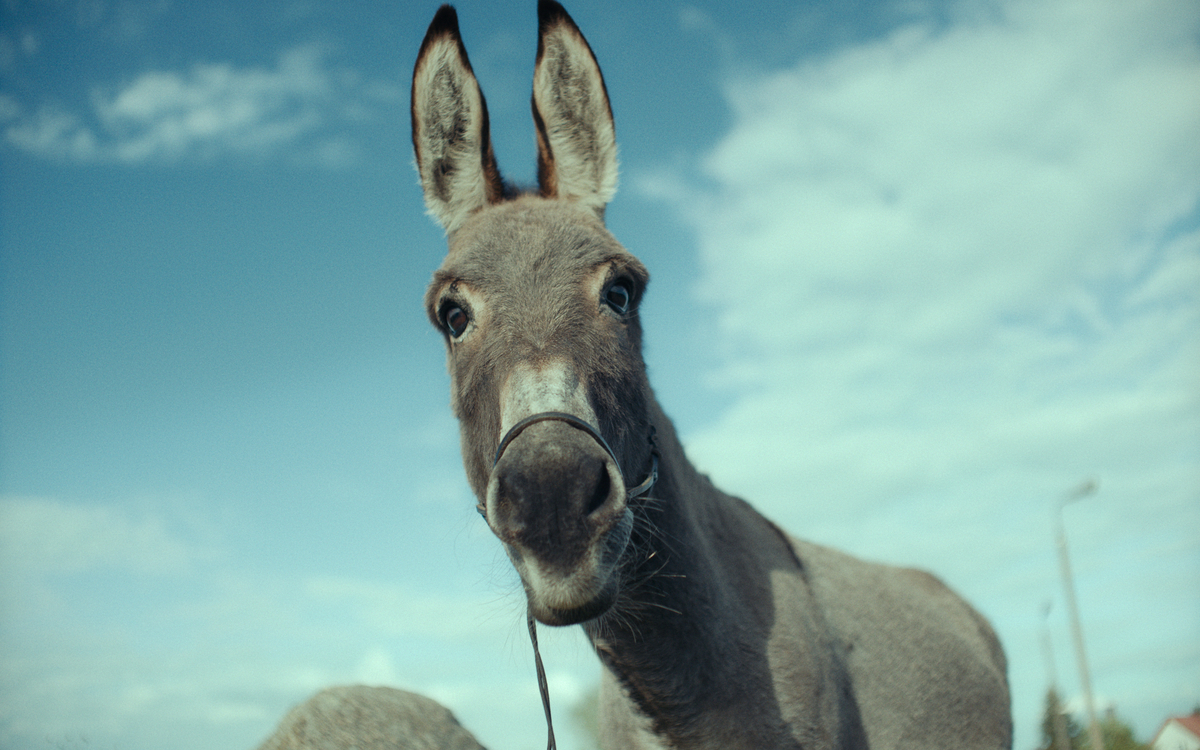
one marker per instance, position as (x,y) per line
(357,717)
(714,628)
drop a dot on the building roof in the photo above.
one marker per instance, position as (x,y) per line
(1191,723)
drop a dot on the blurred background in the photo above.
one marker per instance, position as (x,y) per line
(920,269)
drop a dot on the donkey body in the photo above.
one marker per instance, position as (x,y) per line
(714,628)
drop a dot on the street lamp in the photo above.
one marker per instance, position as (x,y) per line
(1083,490)
(1062,740)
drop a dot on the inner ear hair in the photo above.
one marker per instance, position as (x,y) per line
(577,148)
(450,127)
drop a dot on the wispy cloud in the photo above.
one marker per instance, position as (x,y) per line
(954,272)
(301,105)
(127,625)
(41,536)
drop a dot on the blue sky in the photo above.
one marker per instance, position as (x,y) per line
(919,270)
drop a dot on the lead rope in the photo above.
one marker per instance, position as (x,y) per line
(541,678)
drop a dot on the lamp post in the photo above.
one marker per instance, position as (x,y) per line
(1087,488)
(1062,740)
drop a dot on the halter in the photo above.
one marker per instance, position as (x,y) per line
(579,424)
(630,495)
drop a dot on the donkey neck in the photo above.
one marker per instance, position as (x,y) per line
(689,638)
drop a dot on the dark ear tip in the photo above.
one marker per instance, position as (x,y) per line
(551,12)
(445,21)
(443,26)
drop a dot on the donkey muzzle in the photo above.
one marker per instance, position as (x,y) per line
(557,500)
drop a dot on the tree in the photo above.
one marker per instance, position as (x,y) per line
(1115,733)
(1118,735)
(1056,723)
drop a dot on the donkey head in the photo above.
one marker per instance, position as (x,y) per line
(538,305)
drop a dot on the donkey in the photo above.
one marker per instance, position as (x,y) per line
(714,628)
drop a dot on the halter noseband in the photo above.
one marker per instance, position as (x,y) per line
(579,424)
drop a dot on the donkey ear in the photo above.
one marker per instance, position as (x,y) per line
(450,127)
(577,147)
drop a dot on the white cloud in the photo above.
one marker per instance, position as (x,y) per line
(39,536)
(49,131)
(981,170)
(213,109)
(954,272)
(962,235)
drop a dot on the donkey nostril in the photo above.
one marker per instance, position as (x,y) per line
(600,493)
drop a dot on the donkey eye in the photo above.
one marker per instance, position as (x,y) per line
(618,296)
(455,319)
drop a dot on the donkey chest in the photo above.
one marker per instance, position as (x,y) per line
(775,684)
(622,723)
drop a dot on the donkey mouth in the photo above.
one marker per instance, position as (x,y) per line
(590,610)
(581,591)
